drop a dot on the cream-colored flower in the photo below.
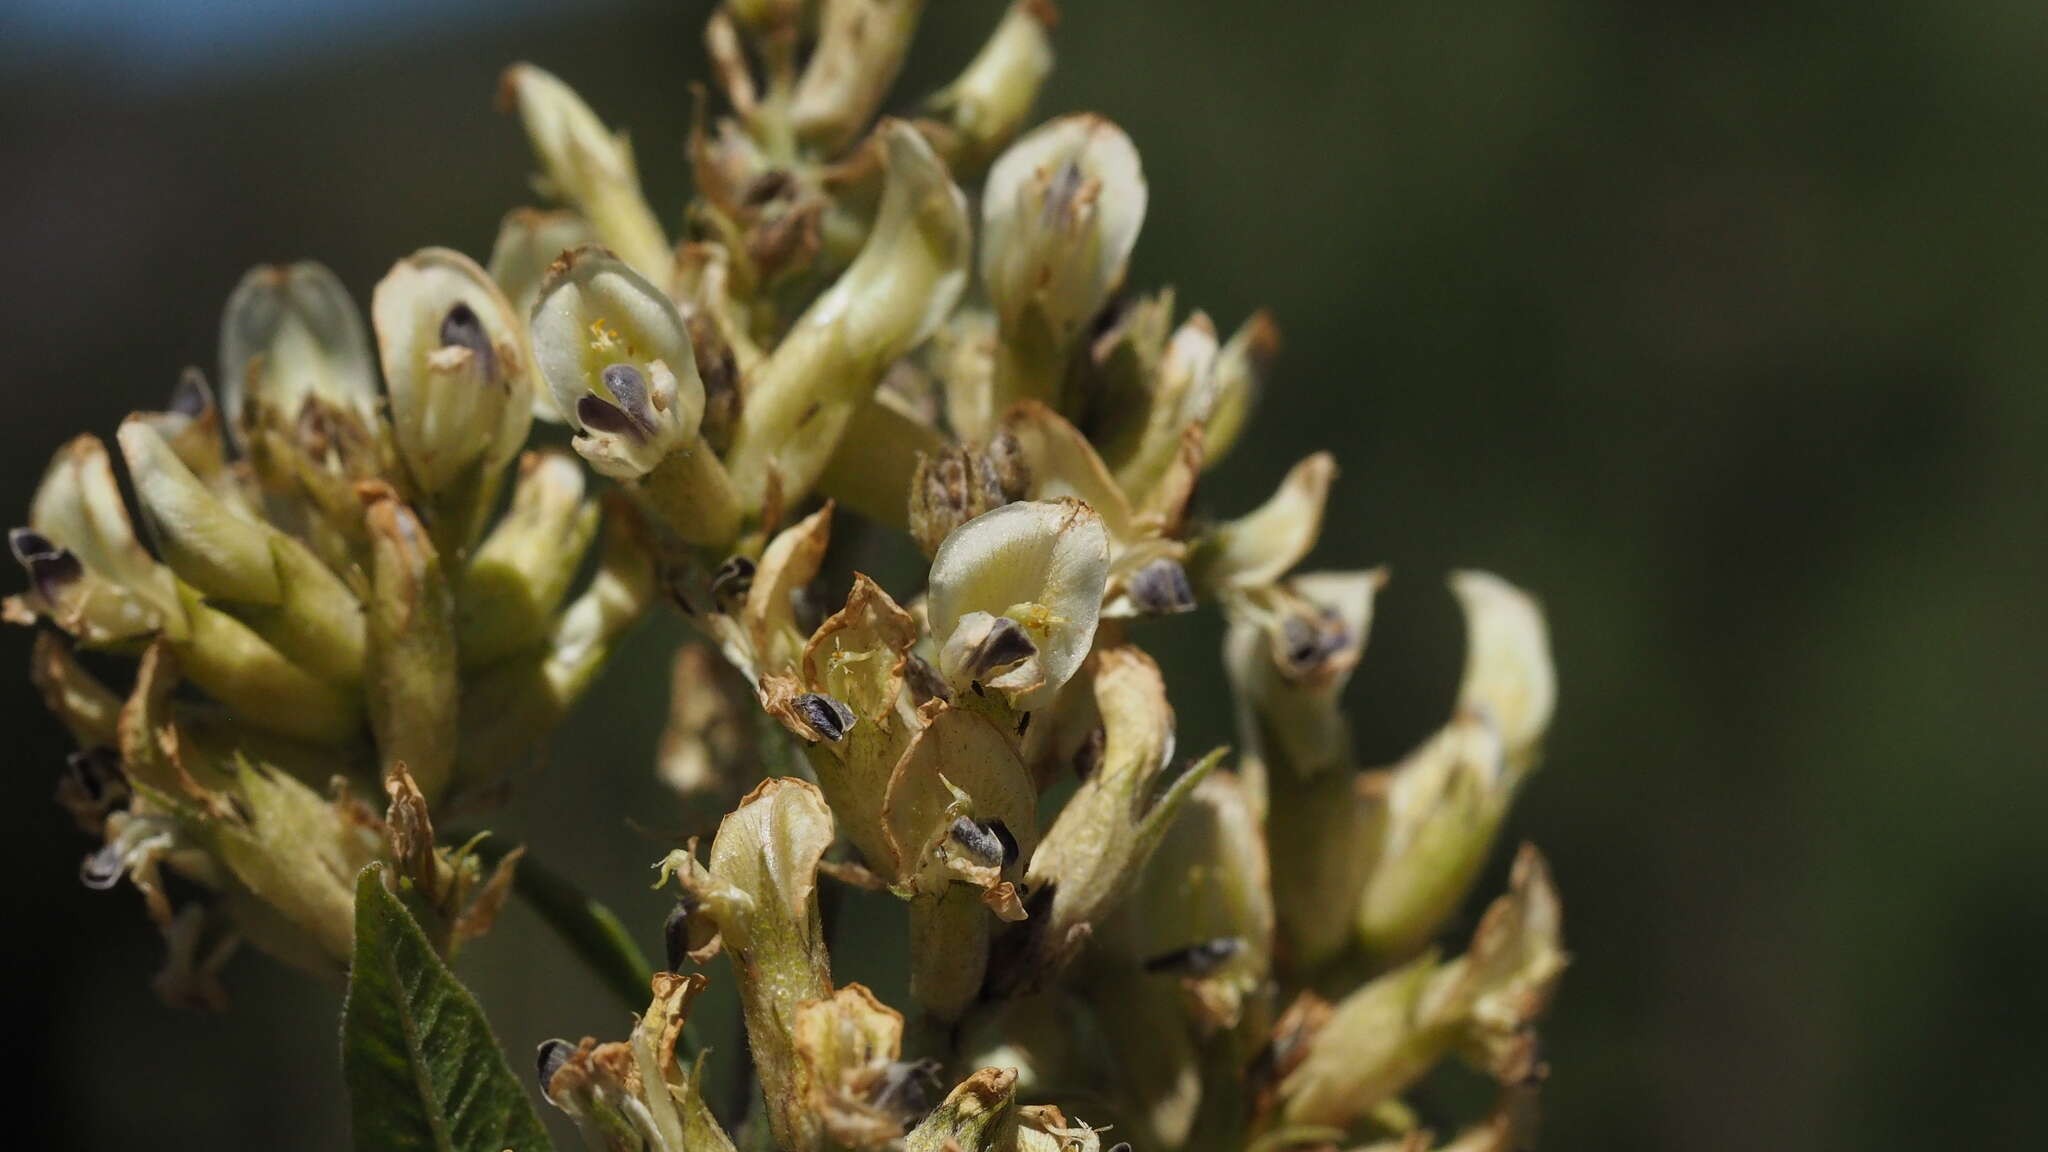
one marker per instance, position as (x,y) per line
(961,818)
(1438,810)
(1385,1036)
(907,278)
(1258,548)
(1240,375)
(1015,596)
(586,165)
(1509,678)
(616,355)
(860,48)
(87,571)
(290,332)
(454,366)
(990,99)
(1060,215)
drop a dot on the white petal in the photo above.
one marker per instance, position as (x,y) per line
(594,311)
(1044,564)
(529,242)
(445,422)
(1060,215)
(1258,548)
(1509,677)
(310,336)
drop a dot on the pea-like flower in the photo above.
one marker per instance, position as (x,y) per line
(454,366)
(339,578)
(586,165)
(989,101)
(1015,596)
(616,356)
(1060,215)
(1436,813)
(909,274)
(290,332)
(86,570)
(1385,1036)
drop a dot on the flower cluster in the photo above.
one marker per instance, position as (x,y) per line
(1232,950)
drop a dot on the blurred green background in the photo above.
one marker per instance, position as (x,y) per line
(1721,326)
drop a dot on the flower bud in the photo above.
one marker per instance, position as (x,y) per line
(290,333)
(1289,652)
(216,550)
(991,99)
(979,1115)
(1377,1041)
(521,698)
(521,572)
(860,49)
(1015,596)
(1060,214)
(259,684)
(1240,375)
(1512,968)
(1383,1037)
(1182,393)
(454,365)
(586,166)
(413,675)
(960,483)
(908,276)
(271,581)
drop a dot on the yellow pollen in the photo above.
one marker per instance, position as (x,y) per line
(602,338)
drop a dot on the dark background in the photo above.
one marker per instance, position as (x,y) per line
(1719,325)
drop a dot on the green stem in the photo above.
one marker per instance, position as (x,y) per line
(590,929)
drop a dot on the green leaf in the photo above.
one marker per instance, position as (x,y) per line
(423,1070)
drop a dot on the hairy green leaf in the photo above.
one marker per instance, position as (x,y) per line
(423,1070)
